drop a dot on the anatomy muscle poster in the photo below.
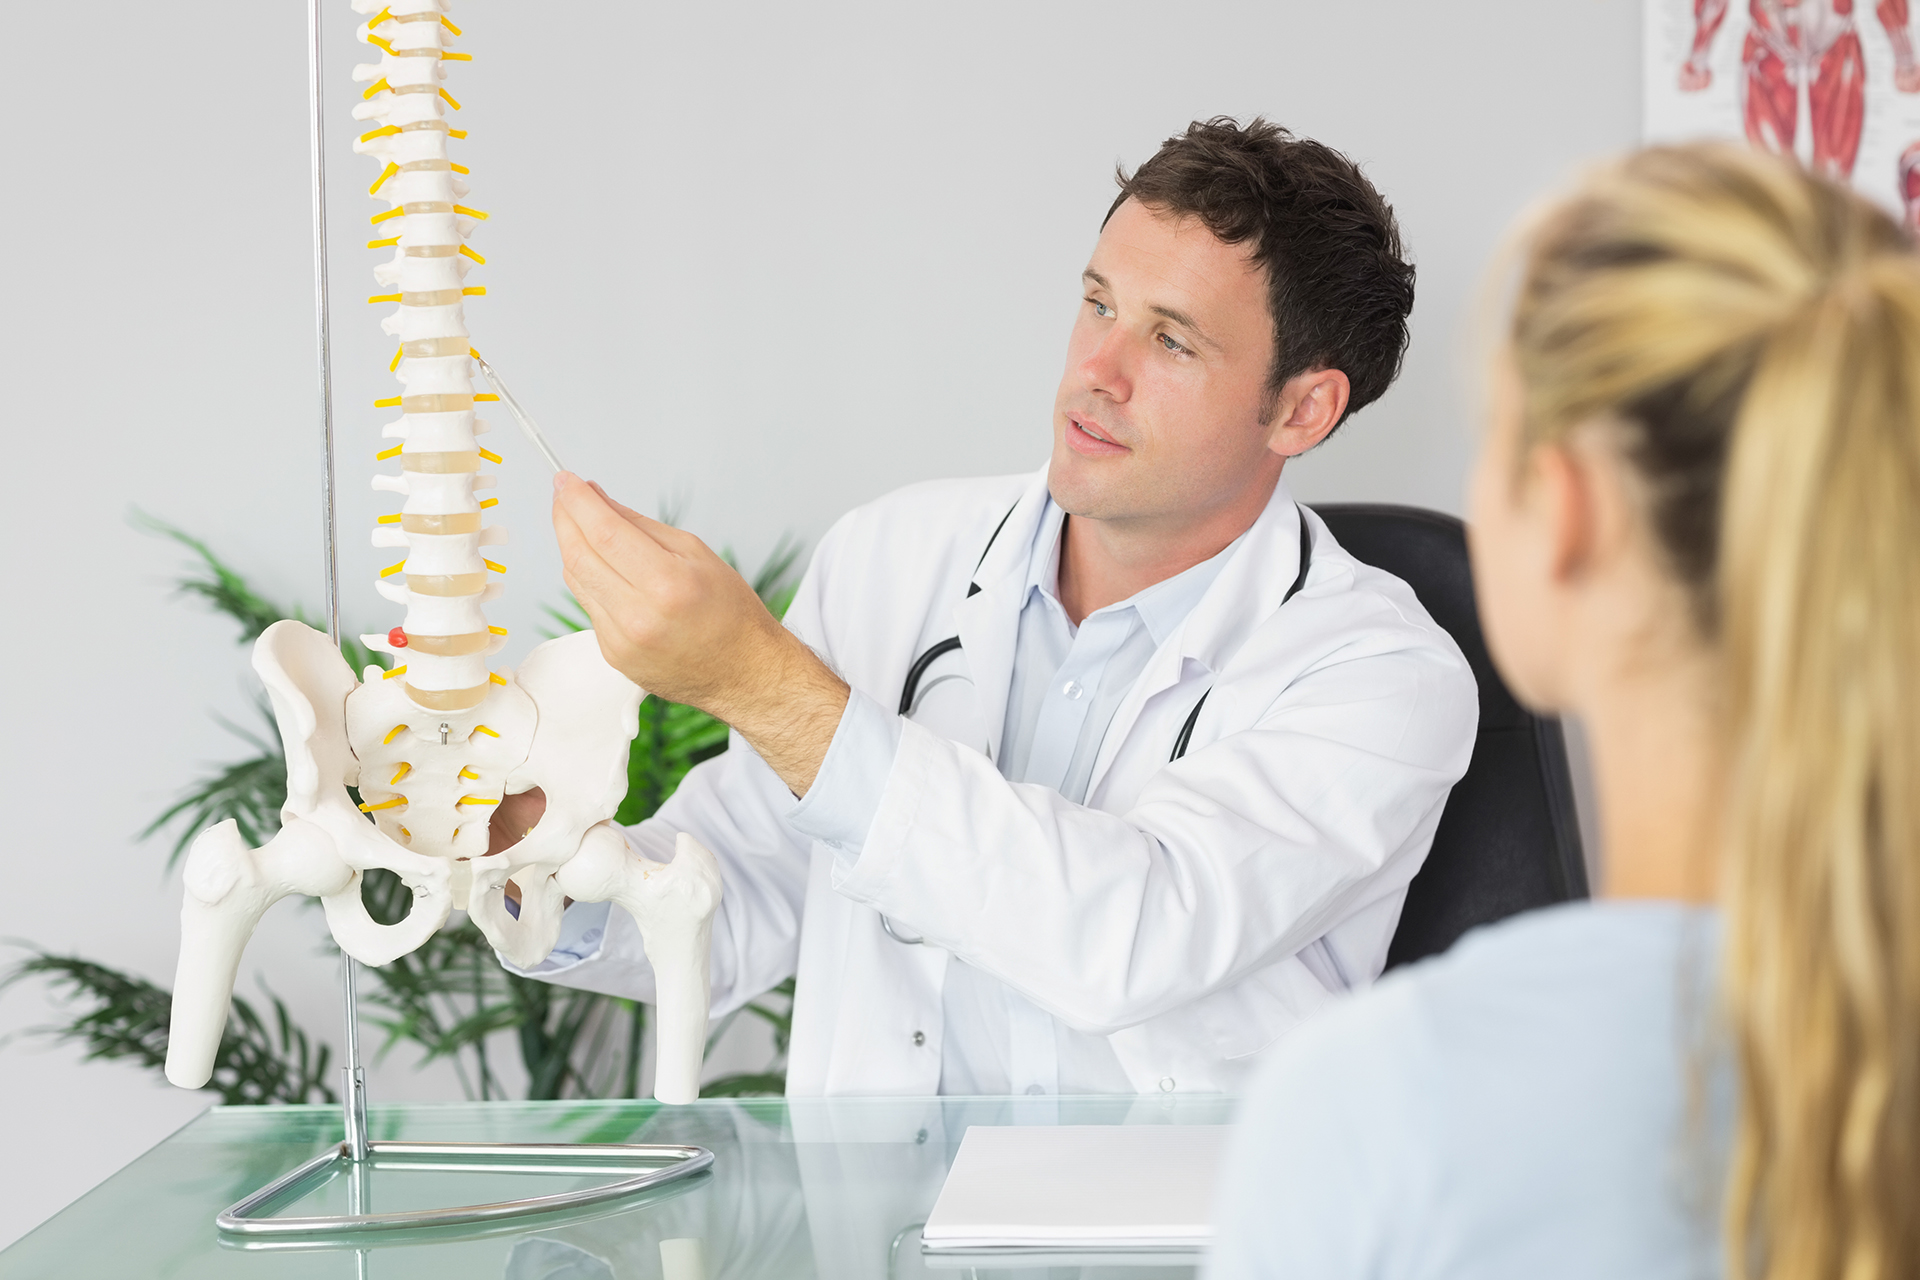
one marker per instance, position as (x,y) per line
(1832,82)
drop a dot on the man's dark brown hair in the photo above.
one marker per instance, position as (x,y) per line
(1339,286)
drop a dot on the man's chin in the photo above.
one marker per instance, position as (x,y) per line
(1083,486)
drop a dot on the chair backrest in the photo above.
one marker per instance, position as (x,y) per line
(1509,839)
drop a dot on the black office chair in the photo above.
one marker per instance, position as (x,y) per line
(1508,840)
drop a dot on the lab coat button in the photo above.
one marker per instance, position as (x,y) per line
(1072,689)
(919,1038)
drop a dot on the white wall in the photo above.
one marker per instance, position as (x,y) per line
(770,259)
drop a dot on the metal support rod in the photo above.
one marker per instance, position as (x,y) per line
(354,1077)
(315,107)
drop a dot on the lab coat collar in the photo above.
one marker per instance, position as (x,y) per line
(1251,585)
(989,621)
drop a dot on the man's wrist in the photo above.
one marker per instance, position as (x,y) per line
(789,710)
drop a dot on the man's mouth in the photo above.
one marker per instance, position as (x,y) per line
(1086,436)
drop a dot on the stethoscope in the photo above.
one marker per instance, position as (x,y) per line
(910,689)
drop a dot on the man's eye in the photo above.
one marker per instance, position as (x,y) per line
(1167,341)
(1101,308)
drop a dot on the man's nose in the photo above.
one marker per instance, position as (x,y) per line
(1106,370)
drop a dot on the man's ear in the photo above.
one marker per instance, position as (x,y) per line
(1308,407)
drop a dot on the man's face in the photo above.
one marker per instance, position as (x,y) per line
(1158,415)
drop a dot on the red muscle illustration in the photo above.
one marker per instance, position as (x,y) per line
(1810,44)
(1910,186)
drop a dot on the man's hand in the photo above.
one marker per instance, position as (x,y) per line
(513,818)
(678,621)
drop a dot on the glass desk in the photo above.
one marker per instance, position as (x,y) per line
(812,1189)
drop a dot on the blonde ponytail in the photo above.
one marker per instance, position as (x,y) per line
(1757,334)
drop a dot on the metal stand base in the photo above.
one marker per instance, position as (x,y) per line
(650,1167)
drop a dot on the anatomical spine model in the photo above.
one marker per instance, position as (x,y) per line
(434,743)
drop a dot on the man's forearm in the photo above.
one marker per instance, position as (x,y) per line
(790,712)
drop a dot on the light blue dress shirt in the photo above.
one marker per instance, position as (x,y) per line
(1549,1098)
(1068,682)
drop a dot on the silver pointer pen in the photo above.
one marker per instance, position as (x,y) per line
(527,425)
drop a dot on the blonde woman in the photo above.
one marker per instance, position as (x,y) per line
(1696,525)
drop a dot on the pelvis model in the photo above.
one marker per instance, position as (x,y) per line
(434,743)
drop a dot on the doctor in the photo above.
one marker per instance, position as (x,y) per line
(1099,779)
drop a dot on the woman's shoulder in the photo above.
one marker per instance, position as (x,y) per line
(1518,1096)
(1583,968)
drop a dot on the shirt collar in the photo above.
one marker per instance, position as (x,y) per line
(1161,607)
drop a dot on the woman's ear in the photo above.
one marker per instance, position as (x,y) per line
(1590,511)
(1559,487)
(1308,407)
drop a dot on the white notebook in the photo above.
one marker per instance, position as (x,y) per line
(1079,1186)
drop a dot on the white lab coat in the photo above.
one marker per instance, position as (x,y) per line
(1192,911)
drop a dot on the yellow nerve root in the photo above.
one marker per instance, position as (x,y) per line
(386,403)
(497,679)
(376,87)
(388,243)
(449,26)
(381,181)
(471,213)
(468,773)
(394,452)
(377,41)
(405,769)
(486,395)
(393,733)
(475,291)
(392,519)
(384,297)
(489,502)
(394,803)
(449,98)
(497,568)
(489,454)
(460,168)
(456,133)
(397,671)
(476,799)
(456,57)
(480,728)
(395,212)
(371,134)
(388,572)
(499,631)
(476,257)
(398,351)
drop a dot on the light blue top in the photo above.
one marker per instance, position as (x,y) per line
(1546,1099)
(1067,684)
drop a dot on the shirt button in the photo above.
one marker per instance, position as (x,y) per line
(1035,1090)
(1072,689)
(919,1038)
(1166,1085)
